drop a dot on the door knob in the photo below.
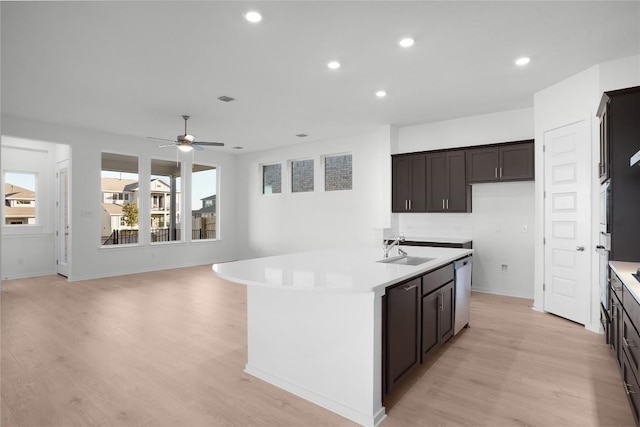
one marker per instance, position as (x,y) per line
(579,248)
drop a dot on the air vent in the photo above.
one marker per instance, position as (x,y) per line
(302,135)
(225,98)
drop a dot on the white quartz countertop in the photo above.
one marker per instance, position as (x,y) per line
(624,270)
(339,270)
(456,240)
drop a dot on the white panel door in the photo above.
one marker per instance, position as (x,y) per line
(567,265)
(62,227)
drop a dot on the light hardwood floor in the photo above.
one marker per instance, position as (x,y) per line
(168,348)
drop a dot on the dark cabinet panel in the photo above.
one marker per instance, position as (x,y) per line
(506,162)
(630,343)
(402,331)
(437,319)
(632,389)
(516,162)
(603,166)
(447,189)
(621,139)
(409,183)
(615,337)
(482,164)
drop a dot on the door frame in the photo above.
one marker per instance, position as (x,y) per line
(63,268)
(592,322)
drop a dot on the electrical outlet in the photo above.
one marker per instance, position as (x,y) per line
(505,267)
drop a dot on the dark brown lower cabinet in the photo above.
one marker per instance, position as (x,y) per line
(417,317)
(615,337)
(401,329)
(631,387)
(437,319)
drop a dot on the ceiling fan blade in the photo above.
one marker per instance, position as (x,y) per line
(197,147)
(161,139)
(212,144)
(167,145)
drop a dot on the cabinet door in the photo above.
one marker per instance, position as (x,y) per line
(402,351)
(418,196)
(482,164)
(430,323)
(516,162)
(436,182)
(457,187)
(630,343)
(603,168)
(401,183)
(447,314)
(631,388)
(616,322)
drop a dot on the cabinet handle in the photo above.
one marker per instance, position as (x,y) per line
(628,388)
(406,205)
(442,204)
(500,172)
(409,204)
(408,288)
(440,302)
(496,172)
(447,204)
(628,343)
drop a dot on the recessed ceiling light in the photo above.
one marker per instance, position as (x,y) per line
(522,61)
(253,16)
(238,148)
(406,42)
(334,65)
(302,135)
(225,98)
(381,94)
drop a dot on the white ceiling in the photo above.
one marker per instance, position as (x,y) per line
(134,68)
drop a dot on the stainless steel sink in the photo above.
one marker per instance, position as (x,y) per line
(406,260)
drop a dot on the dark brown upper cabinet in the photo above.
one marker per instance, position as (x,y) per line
(409,186)
(506,162)
(447,189)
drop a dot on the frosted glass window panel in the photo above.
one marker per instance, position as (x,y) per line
(302,176)
(338,173)
(272,179)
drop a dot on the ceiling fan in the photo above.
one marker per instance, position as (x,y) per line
(187,142)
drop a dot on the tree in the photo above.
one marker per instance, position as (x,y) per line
(130,214)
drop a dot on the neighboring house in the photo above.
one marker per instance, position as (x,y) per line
(119,192)
(19,205)
(204,219)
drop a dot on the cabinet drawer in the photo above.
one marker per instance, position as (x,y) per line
(433,280)
(631,343)
(630,304)
(630,384)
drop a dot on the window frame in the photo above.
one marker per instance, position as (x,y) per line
(37,211)
(323,160)
(290,174)
(261,174)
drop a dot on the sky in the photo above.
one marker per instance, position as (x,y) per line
(204,184)
(24,180)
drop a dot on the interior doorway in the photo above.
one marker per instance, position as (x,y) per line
(63,229)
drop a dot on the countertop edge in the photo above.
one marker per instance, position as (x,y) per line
(623,270)
(377,288)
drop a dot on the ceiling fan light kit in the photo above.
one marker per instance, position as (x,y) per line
(187,142)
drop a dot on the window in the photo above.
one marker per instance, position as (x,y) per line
(119,187)
(165,200)
(272,179)
(19,198)
(338,172)
(301,176)
(203,202)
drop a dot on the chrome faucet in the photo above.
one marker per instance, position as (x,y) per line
(396,241)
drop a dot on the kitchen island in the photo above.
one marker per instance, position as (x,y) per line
(314,322)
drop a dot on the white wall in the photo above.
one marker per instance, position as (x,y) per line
(30,250)
(571,100)
(505,126)
(503,219)
(282,223)
(88,259)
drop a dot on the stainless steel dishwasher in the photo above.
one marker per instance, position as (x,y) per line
(462,277)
